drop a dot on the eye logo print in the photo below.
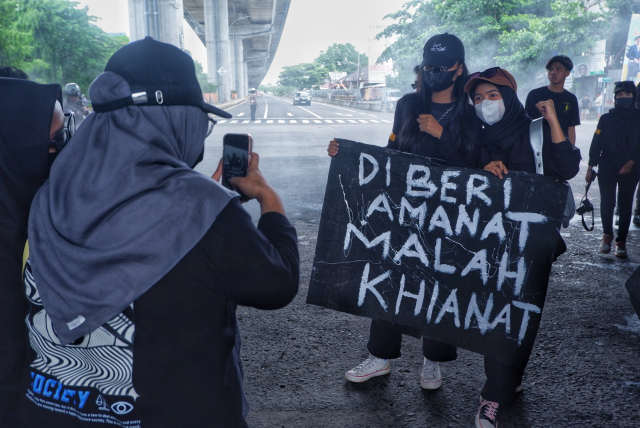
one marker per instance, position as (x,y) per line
(121,408)
(438,48)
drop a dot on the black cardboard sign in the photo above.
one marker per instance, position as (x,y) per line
(457,253)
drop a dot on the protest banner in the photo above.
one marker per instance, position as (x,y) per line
(457,253)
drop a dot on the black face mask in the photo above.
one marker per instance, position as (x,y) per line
(439,81)
(624,102)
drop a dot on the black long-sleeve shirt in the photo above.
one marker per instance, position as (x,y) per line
(616,140)
(186,367)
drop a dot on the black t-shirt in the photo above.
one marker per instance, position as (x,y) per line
(171,359)
(566,105)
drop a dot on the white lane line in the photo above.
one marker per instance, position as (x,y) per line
(281,121)
(293,121)
(319,117)
(269,121)
(352,121)
(363,121)
(266,108)
(289,114)
(385,121)
(258,121)
(317,121)
(328,121)
(339,108)
(234,121)
(222,121)
(305,121)
(240,114)
(246,121)
(374,121)
(340,121)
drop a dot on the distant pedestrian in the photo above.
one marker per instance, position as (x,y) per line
(615,149)
(585,106)
(598,104)
(253,102)
(566,104)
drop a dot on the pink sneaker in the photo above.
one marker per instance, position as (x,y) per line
(487,416)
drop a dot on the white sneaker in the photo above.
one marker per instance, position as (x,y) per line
(371,367)
(430,377)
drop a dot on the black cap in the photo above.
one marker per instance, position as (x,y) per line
(442,50)
(626,86)
(158,74)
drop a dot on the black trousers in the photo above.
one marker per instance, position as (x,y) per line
(608,181)
(385,341)
(253,111)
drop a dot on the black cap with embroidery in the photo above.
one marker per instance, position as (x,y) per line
(158,74)
(443,50)
(626,86)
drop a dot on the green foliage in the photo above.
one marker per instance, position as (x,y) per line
(341,57)
(283,90)
(302,75)
(263,88)
(519,35)
(15,40)
(206,86)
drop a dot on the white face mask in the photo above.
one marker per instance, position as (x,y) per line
(490,111)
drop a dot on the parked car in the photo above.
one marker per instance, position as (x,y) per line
(302,98)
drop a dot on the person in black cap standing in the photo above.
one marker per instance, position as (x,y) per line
(137,262)
(438,122)
(615,149)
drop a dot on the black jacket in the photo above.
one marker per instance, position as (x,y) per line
(616,140)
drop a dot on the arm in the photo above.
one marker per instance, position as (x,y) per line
(392,143)
(563,161)
(572,135)
(595,150)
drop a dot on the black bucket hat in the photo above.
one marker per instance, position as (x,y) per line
(442,50)
(158,74)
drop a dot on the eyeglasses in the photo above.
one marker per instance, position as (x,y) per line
(64,135)
(212,123)
(435,69)
(489,73)
(413,85)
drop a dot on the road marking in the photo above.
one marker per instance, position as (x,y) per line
(385,121)
(374,121)
(319,117)
(328,121)
(266,108)
(305,121)
(342,114)
(363,121)
(317,121)
(281,121)
(352,121)
(339,108)
(240,114)
(340,121)
(258,121)
(269,121)
(293,121)
(289,114)
(246,121)
(234,121)
(221,121)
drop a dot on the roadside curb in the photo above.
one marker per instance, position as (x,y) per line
(231,104)
(346,103)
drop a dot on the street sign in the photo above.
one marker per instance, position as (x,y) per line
(604,79)
(222,71)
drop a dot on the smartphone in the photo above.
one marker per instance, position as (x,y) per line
(236,154)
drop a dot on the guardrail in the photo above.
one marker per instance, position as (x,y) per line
(363,105)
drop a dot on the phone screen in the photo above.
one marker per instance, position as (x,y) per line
(236,155)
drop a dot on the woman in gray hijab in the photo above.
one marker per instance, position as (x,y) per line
(138,262)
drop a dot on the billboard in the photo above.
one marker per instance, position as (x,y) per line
(631,65)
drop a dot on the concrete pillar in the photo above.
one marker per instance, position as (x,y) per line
(224,91)
(210,26)
(245,77)
(232,66)
(216,24)
(160,19)
(239,68)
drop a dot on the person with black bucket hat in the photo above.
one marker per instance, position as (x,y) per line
(137,262)
(506,145)
(615,149)
(437,122)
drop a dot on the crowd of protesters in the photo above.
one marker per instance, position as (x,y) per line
(123,267)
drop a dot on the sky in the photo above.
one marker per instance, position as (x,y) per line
(311,26)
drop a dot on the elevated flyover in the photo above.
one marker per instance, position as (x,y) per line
(241,36)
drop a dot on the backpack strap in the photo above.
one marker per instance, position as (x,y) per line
(536,139)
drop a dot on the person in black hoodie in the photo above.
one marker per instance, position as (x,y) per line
(436,122)
(505,145)
(31,119)
(615,148)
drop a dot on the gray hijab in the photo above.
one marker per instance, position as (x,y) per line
(121,208)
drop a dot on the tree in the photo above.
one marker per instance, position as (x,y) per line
(67,46)
(303,75)
(341,57)
(206,86)
(516,34)
(15,40)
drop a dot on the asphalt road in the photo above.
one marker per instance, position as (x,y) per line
(585,367)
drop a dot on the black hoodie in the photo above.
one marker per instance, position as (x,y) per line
(616,140)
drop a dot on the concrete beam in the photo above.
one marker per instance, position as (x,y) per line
(160,19)
(248,31)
